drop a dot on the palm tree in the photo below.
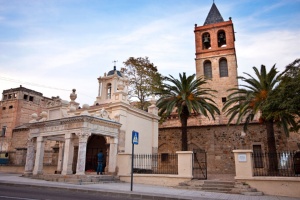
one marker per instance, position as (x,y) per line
(257,97)
(187,96)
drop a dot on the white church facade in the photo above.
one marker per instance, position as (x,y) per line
(79,134)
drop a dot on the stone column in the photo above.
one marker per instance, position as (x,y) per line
(83,137)
(39,156)
(68,154)
(60,157)
(29,158)
(113,150)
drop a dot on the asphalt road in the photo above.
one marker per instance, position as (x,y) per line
(11,192)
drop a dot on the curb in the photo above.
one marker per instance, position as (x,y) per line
(133,195)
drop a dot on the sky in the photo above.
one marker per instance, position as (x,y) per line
(53,46)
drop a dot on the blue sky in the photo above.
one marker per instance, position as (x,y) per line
(65,44)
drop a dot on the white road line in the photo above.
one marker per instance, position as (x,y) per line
(17,198)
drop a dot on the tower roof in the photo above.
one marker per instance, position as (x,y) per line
(112,72)
(213,16)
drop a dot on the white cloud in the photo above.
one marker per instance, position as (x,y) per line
(278,47)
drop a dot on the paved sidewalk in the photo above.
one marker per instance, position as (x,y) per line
(139,190)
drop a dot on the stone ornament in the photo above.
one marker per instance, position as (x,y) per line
(117,117)
(44,116)
(73,95)
(104,114)
(85,107)
(153,100)
(34,117)
(72,108)
(57,101)
(83,136)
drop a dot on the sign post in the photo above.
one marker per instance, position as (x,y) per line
(135,140)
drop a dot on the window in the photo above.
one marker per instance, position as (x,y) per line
(224,99)
(25,97)
(206,41)
(10,107)
(15,95)
(3,131)
(3,108)
(221,39)
(9,96)
(258,156)
(223,68)
(5,97)
(207,70)
(109,91)
(30,98)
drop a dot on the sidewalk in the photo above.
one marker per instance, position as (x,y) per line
(139,190)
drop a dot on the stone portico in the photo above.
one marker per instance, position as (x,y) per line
(70,132)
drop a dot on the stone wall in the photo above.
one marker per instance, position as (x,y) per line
(219,141)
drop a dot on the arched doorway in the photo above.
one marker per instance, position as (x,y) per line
(94,145)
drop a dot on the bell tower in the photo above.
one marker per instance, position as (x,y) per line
(216,56)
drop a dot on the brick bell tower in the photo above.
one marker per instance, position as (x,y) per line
(216,57)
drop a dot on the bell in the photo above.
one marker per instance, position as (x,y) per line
(222,39)
(206,40)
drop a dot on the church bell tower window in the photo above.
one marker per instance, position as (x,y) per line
(223,68)
(206,41)
(207,69)
(221,39)
(109,91)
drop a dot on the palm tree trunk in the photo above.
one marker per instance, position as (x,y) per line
(183,118)
(272,152)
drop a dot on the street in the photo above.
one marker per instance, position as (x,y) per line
(36,193)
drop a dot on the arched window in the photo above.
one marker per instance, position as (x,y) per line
(207,69)
(109,91)
(221,39)
(223,67)
(206,41)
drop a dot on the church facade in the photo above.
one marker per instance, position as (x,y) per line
(61,133)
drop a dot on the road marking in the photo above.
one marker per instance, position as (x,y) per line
(17,198)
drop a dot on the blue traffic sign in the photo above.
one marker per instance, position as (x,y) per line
(135,137)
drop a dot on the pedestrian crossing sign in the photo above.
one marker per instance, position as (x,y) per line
(135,137)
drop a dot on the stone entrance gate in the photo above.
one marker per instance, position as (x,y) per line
(70,132)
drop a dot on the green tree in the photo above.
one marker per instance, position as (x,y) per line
(187,95)
(284,102)
(144,79)
(257,95)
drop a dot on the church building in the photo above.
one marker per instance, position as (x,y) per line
(216,61)
(61,133)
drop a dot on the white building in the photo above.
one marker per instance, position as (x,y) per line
(80,134)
